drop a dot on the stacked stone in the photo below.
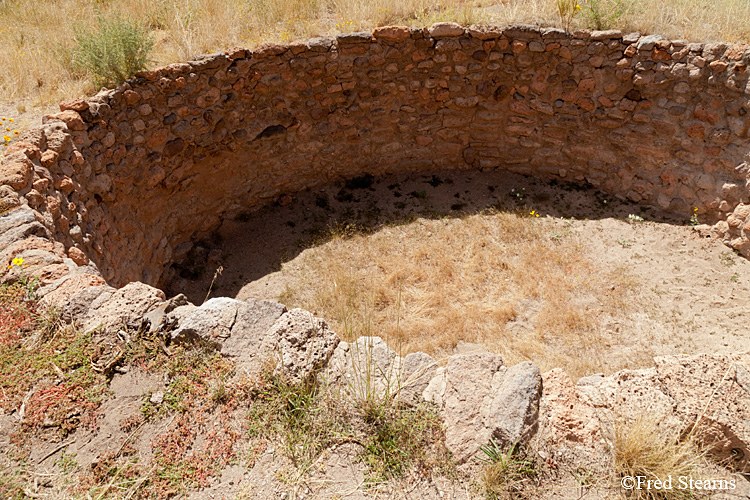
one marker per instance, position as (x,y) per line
(128,178)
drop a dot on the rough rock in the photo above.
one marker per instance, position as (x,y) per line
(16,174)
(72,286)
(417,369)
(126,305)
(232,326)
(212,322)
(77,307)
(158,316)
(301,343)
(259,333)
(480,399)
(392,33)
(445,29)
(367,369)
(568,422)
(514,409)
(712,393)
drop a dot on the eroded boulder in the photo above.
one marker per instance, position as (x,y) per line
(260,334)
(122,306)
(481,399)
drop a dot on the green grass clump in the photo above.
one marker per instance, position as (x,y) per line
(114,51)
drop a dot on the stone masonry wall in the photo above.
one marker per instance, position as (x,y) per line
(126,179)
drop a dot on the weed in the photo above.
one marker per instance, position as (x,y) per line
(641,448)
(114,51)
(694,218)
(735,278)
(567,10)
(727,258)
(397,438)
(66,462)
(635,218)
(624,243)
(299,414)
(506,472)
(604,14)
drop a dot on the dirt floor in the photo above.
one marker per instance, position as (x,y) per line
(686,292)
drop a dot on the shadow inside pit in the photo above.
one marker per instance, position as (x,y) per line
(256,244)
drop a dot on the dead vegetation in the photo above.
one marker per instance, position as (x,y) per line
(38,38)
(517,283)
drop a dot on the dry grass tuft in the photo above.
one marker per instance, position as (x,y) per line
(641,448)
(522,286)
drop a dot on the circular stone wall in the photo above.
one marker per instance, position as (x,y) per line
(123,181)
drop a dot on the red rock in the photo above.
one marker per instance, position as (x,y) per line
(718,66)
(736,51)
(131,98)
(71,118)
(77,256)
(74,105)
(49,158)
(661,55)
(586,85)
(705,115)
(446,30)
(32,152)
(16,174)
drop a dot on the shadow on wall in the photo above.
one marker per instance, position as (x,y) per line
(129,176)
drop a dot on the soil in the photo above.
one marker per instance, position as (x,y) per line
(691,289)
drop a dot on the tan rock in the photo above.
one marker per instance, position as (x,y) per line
(16,174)
(75,105)
(392,33)
(70,287)
(71,119)
(77,256)
(446,29)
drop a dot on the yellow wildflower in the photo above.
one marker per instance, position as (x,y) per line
(18,261)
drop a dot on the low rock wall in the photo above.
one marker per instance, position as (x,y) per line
(124,181)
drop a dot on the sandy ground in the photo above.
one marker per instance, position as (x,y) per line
(691,290)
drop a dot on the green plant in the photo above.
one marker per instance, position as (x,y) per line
(603,14)
(567,10)
(505,471)
(624,243)
(67,462)
(634,218)
(694,218)
(300,415)
(112,52)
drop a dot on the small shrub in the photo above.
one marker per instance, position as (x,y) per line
(113,51)
(603,14)
(567,10)
(641,449)
(505,471)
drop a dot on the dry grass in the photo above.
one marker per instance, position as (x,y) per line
(641,448)
(521,285)
(36,37)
